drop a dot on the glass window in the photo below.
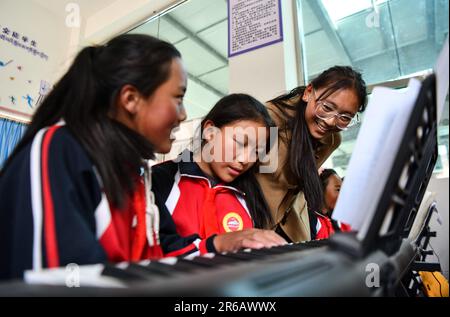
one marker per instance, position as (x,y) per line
(384,39)
(402,35)
(198,29)
(338,10)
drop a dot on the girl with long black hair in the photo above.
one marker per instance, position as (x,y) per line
(77,188)
(204,193)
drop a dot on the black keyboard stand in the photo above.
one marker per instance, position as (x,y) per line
(410,174)
(411,283)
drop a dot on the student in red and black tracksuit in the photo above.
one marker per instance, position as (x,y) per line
(189,196)
(77,189)
(321,224)
(208,193)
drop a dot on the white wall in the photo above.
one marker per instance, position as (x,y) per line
(272,70)
(440,186)
(120,16)
(23,75)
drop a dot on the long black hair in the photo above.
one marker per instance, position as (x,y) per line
(302,146)
(85,99)
(236,107)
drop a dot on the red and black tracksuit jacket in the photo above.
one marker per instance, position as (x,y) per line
(198,205)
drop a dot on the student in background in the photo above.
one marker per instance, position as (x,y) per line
(321,224)
(77,187)
(309,121)
(204,192)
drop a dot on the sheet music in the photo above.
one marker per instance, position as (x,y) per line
(386,118)
(442,72)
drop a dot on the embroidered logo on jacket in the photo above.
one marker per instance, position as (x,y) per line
(232,222)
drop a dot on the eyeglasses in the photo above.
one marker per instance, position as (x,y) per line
(326,111)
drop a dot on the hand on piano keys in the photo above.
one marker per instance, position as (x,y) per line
(247,238)
(155,274)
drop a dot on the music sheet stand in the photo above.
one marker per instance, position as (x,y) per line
(408,179)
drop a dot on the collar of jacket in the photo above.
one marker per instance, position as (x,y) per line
(321,215)
(189,168)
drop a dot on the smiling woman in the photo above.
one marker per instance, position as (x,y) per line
(309,120)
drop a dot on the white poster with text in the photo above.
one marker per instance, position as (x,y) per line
(253,24)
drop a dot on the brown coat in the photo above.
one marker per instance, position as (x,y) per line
(279,191)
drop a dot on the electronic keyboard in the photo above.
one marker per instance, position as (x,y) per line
(312,268)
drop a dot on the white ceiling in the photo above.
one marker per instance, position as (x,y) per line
(87,7)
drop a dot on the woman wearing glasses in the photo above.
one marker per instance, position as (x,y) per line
(309,120)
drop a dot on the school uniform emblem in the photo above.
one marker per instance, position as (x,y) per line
(232,222)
